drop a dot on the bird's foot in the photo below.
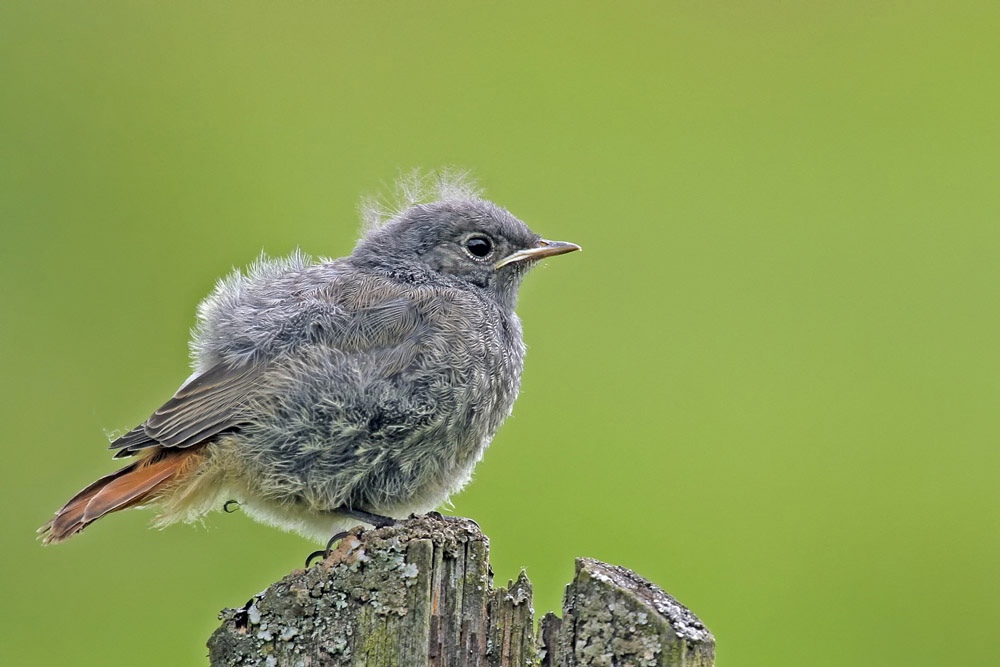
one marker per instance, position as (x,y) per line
(376,520)
(325,553)
(228,503)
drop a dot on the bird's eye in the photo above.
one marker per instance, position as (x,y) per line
(479,246)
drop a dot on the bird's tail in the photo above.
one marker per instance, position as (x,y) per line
(132,485)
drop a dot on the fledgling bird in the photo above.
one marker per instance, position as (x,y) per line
(360,388)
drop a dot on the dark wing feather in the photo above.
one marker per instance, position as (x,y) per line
(134,439)
(206,406)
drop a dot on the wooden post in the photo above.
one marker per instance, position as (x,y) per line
(420,593)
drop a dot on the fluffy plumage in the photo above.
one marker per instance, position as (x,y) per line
(371,382)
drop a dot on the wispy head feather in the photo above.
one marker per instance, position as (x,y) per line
(416,187)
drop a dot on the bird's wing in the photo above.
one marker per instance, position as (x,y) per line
(370,318)
(209,404)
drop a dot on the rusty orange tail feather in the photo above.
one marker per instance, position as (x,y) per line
(133,484)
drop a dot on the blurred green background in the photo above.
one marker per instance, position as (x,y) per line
(769,384)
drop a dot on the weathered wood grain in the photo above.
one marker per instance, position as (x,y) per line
(420,593)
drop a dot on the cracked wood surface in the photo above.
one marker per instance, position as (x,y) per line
(420,593)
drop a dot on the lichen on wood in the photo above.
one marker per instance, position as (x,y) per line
(612,616)
(420,593)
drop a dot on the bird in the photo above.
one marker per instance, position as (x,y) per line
(328,392)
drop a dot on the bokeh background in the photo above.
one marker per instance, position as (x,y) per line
(769,384)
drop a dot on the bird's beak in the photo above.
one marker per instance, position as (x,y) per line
(542,249)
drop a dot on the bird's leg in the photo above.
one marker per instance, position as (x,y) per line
(329,547)
(376,520)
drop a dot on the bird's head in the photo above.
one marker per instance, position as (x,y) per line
(470,240)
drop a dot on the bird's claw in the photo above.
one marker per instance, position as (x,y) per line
(325,553)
